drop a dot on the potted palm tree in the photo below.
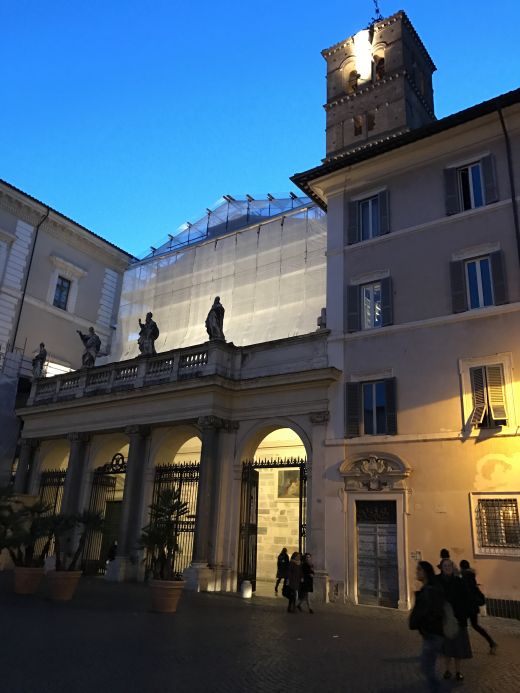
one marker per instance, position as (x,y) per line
(64,580)
(160,540)
(26,534)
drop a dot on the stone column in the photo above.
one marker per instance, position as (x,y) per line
(76,473)
(126,567)
(199,575)
(316,504)
(222,507)
(25,464)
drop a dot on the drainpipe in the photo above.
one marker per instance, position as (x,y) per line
(26,281)
(511,181)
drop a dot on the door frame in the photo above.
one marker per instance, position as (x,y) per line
(351,557)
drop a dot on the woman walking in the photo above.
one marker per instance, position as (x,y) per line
(456,594)
(293,579)
(475,600)
(426,617)
(307,583)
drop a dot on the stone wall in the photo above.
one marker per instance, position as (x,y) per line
(277,521)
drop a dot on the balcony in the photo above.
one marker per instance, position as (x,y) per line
(284,356)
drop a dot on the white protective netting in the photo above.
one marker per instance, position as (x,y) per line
(270,278)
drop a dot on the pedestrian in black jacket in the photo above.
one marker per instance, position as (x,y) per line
(293,579)
(474,595)
(282,563)
(456,594)
(307,583)
(427,617)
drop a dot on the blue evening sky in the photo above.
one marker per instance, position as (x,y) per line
(132,117)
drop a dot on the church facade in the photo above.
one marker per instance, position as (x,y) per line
(389,432)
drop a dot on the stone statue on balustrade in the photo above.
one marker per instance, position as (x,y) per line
(92,345)
(147,335)
(215,321)
(38,361)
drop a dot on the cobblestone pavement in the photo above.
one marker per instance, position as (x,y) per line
(106,641)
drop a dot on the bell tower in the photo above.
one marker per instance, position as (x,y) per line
(379,84)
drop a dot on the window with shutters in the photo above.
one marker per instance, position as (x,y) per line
(470,186)
(487,395)
(368,217)
(496,523)
(369,305)
(478,282)
(371,408)
(487,389)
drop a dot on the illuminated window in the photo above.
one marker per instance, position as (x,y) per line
(61,293)
(371,306)
(487,389)
(371,408)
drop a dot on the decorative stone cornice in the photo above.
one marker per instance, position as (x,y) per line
(69,269)
(375,473)
(319,417)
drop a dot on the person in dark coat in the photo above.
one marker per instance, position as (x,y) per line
(293,579)
(307,583)
(282,563)
(427,617)
(456,594)
(470,580)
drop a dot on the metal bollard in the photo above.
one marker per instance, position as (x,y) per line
(246,589)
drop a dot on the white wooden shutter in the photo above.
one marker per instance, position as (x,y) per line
(479,396)
(496,392)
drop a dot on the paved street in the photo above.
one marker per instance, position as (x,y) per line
(106,641)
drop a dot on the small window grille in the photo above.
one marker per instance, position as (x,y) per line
(498,523)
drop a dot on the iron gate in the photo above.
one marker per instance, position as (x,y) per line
(103,492)
(185,477)
(52,484)
(249,512)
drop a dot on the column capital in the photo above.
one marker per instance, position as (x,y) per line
(229,426)
(138,430)
(319,417)
(30,443)
(210,422)
(78,437)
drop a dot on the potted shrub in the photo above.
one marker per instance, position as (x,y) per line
(26,534)
(160,540)
(64,580)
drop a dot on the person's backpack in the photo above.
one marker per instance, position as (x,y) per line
(450,625)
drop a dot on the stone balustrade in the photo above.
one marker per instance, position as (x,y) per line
(209,359)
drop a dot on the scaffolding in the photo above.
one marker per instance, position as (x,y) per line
(264,258)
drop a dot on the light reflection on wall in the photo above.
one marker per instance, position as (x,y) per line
(363,49)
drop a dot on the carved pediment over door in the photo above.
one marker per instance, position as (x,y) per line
(374,472)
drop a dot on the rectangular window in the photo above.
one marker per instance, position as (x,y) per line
(488,392)
(479,283)
(371,408)
(374,408)
(498,524)
(471,189)
(470,186)
(358,125)
(61,293)
(371,306)
(369,218)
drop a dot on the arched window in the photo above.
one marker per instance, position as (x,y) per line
(352,83)
(378,68)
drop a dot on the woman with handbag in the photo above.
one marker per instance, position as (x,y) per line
(455,592)
(476,600)
(292,581)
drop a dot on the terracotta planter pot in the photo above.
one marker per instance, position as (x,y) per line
(166,595)
(62,584)
(27,580)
